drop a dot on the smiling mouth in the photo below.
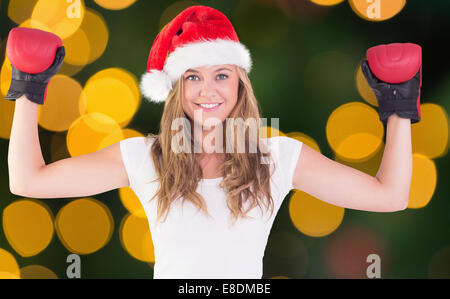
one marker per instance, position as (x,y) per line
(209,107)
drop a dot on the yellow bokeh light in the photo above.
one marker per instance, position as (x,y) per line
(28,226)
(377,10)
(359,146)
(84,225)
(136,238)
(128,133)
(37,272)
(113,92)
(96,30)
(304,139)
(8,265)
(6,106)
(65,102)
(429,137)
(70,69)
(7,275)
(125,133)
(364,89)
(61,17)
(354,132)
(86,134)
(327,2)
(115,4)
(6,117)
(131,202)
(370,166)
(89,42)
(114,137)
(77,47)
(20,10)
(312,216)
(148,248)
(5,76)
(34,24)
(423,182)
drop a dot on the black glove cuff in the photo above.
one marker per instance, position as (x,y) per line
(413,115)
(396,105)
(34,91)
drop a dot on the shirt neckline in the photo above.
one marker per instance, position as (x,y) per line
(214,181)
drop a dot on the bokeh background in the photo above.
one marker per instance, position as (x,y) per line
(306,72)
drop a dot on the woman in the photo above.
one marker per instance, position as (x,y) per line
(210,206)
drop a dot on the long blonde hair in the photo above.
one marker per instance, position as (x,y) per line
(245,177)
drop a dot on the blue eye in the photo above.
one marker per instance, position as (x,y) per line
(187,78)
(195,77)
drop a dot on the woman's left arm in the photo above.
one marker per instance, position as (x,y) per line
(347,187)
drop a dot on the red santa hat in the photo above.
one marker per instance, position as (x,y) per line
(198,36)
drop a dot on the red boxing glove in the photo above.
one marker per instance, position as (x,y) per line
(35,56)
(394,72)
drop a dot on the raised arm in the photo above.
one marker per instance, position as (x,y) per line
(36,56)
(344,186)
(84,175)
(24,151)
(394,72)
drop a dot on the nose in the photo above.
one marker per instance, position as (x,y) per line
(207,89)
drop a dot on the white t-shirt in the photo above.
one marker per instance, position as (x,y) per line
(191,245)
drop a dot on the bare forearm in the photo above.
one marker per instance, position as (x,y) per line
(396,166)
(24,152)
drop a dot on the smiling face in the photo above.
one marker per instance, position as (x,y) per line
(211,91)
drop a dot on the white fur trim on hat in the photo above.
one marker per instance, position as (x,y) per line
(206,53)
(156,85)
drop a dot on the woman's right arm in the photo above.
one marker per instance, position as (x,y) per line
(78,176)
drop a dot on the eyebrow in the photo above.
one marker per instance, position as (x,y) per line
(222,68)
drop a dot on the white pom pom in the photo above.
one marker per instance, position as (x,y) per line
(155,86)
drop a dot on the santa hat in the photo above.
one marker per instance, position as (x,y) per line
(198,36)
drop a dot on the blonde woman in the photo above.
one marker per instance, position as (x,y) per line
(210,194)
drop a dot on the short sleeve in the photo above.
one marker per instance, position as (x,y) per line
(132,150)
(287,151)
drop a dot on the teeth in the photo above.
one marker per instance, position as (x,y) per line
(209,105)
